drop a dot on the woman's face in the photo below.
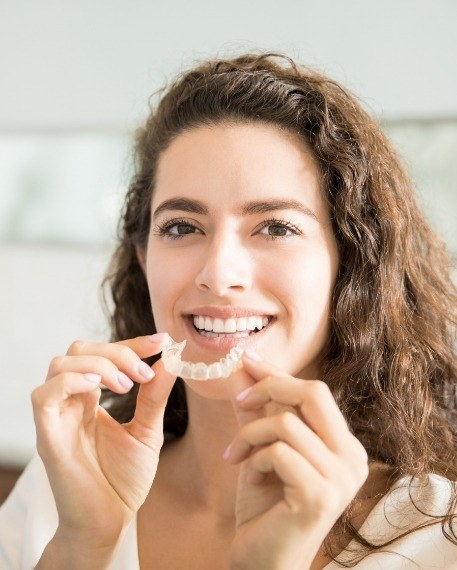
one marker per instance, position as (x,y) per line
(247,233)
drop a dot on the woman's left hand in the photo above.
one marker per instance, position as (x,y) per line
(301,467)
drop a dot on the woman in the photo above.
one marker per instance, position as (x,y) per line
(264,198)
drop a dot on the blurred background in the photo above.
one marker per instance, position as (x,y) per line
(76,78)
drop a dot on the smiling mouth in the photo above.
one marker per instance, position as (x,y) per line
(236,334)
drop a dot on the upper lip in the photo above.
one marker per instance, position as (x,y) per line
(227,312)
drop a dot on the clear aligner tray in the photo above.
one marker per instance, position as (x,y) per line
(171,356)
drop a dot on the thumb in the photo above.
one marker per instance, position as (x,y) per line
(239,381)
(253,370)
(147,423)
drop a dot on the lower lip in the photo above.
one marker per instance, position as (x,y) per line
(223,343)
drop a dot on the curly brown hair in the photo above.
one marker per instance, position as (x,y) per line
(390,361)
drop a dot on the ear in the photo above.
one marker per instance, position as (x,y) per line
(141,256)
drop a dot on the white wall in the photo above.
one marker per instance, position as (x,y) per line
(48,299)
(80,64)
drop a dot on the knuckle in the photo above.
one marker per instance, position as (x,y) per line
(125,353)
(56,363)
(104,366)
(65,377)
(356,474)
(279,449)
(76,347)
(330,500)
(35,397)
(268,381)
(287,421)
(363,454)
(320,387)
(325,502)
(319,504)
(363,470)
(317,390)
(359,450)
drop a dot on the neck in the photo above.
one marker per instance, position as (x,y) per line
(197,468)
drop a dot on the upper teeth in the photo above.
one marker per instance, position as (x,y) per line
(230,325)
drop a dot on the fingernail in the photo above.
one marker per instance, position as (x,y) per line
(243,395)
(145,371)
(252,355)
(124,380)
(158,337)
(95,378)
(227,452)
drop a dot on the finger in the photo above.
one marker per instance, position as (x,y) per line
(52,393)
(49,398)
(145,346)
(239,381)
(147,423)
(305,490)
(142,346)
(295,472)
(113,378)
(290,429)
(314,401)
(125,355)
(259,368)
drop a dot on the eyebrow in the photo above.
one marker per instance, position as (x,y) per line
(249,208)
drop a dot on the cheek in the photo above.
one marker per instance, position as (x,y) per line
(304,286)
(161,282)
(304,280)
(168,276)
(306,293)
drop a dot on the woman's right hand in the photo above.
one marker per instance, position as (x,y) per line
(100,471)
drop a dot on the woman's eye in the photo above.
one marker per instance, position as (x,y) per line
(277,231)
(175,229)
(185,229)
(272,229)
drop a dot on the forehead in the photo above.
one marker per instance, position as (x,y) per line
(225,164)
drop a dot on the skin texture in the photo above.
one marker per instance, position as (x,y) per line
(234,262)
(293,464)
(100,471)
(228,259)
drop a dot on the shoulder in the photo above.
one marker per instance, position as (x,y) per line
(410,503)
(431,494)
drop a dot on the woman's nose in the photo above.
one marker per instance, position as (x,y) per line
(226,267)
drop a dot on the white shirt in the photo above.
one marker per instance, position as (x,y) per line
(28,521)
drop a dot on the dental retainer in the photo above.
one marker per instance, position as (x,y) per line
(171,356)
